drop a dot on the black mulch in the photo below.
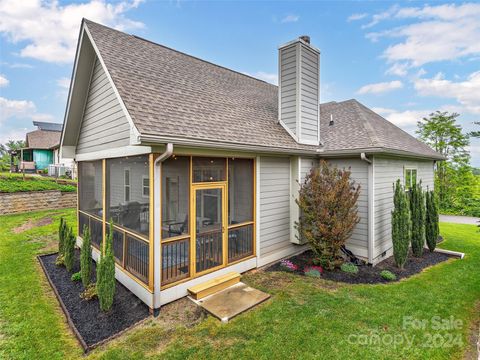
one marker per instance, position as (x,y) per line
(367,274)
(93,324)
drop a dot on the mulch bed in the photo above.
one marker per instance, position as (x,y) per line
(91,325)
(367,274)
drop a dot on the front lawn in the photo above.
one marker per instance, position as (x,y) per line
(11,183)
(306,318)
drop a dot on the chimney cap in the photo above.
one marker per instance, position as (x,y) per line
(305,38)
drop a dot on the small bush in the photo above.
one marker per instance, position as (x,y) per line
(86,258)
(328,204)
(89,293)
(61,236)
(401,225)
(76,276)
(349,268)
(388,275)
(417,210)
(60,260)
(432,230)
(313,271)
(106,274)
(288,265)
(69,249)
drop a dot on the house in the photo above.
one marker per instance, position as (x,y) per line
(42,149)
(197,166)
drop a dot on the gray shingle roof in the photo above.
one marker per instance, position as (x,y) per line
(171,94)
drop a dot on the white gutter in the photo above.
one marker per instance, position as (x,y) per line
(157,227)
(371,206)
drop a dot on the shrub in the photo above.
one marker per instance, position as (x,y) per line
(288,265)
(69,249)
(76,276)
(327,202)
(89,293)
(432,230)
(401,225)
(417,211)
(313,271)
(349,268)
(86,258)
(61,236)
(106,274)
(388,275)
(60,260)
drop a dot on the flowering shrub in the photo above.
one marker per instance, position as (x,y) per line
(288,265)
(313,271)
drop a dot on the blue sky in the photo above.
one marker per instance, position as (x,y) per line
(402,59)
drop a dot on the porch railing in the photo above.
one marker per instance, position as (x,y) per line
(175,261)
(240,242)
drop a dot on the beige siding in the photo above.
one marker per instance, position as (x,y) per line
(358,242)
(309,86)
(274,205)
(288,85)
(306,164)
(387,171)
(104,125)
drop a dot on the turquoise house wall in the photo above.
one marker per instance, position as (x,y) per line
(42,158)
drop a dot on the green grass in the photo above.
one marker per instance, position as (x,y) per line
(306,318)
(11,183)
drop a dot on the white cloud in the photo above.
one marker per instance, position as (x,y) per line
(398,69)
(3,81)
(290,18)
(355,17)
(406,120)
(466,93)
(50,30)
(20,109)
(13,134)
(64,83)
(437,33)
(268,77)
(380,88)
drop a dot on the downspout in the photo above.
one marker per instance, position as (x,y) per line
(157,227)
(371,206)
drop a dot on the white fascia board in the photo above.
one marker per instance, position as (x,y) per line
(130,150)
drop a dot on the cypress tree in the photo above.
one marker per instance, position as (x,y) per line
(431,221)
(401,225)
(85,258)
(69,248)
(417,209)
(106,274)
(61,236)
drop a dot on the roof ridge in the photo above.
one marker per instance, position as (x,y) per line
(183,53)
(370,130)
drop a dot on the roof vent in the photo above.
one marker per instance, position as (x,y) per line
(305,38)
(331,120)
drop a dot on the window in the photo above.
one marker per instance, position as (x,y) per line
(410,178)
(175,196)
(145,186)
(126,184)
(127,206)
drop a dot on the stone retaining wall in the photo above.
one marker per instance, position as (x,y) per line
(12,203)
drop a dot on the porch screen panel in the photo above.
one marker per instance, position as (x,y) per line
(127,198)
(208,169)
(240,191)
(175,197)
(90,187)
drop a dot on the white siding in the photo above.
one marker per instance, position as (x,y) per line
(358,242)
(306,164)
(274,205)
(104,125)
(288,85)
(387,171)
(309,88)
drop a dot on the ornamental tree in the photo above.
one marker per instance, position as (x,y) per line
(417,211)
(431,220)
(106,274)
(69,249)
(401,225)
(328,206)
(86,258)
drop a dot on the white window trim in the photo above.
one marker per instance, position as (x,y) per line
(143,186)
(125,185)
(405,168)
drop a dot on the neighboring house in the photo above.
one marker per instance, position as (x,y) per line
(42,149)
(41,144)
(197,165)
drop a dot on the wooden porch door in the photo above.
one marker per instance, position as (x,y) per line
(209,227)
